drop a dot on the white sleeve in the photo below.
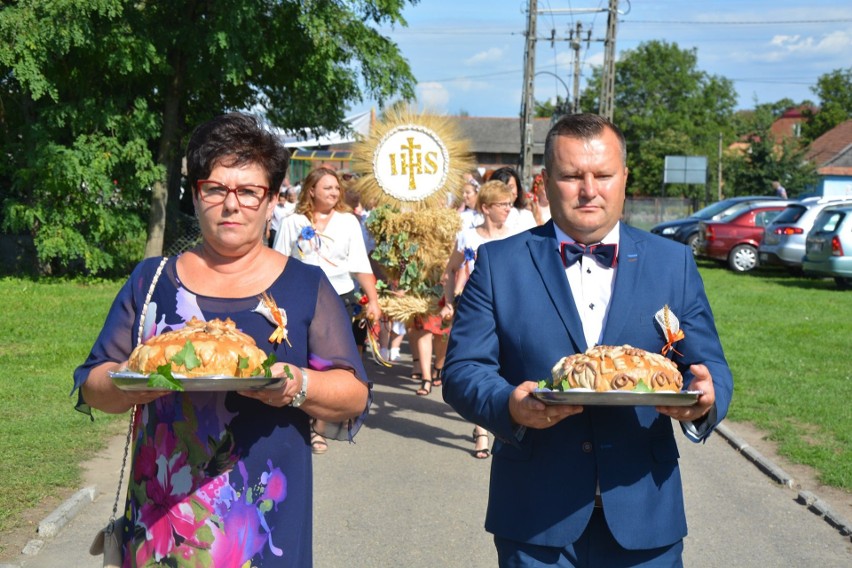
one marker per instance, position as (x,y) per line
(358,260)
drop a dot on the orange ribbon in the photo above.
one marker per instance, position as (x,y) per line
(673,338)
(280,332)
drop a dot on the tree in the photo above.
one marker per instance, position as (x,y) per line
(760,157)
(666,106)
(551,107)
(835,94)
(125,81)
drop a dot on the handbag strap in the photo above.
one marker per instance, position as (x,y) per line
(133,410)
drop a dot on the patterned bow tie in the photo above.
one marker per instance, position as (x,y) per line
(606,255)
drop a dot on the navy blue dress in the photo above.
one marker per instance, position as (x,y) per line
(219,479)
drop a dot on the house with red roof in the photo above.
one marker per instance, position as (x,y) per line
(832,154)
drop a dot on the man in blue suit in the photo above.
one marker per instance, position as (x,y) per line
(571,485)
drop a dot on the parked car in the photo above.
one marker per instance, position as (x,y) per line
(783,243)
(829,246)
(734,238)
(685,230)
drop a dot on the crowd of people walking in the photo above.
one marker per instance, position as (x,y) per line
(321,221)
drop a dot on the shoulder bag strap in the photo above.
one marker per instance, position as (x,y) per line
(133,410)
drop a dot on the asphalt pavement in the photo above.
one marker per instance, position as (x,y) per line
(409,494)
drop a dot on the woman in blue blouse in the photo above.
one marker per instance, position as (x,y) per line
(224,478)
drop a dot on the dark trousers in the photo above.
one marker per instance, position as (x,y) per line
(596,548)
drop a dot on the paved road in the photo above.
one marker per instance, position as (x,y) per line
(409,494)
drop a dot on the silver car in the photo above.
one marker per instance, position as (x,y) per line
(829,246)
(783,243)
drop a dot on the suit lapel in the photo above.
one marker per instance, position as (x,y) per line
(544,251)
(630,259)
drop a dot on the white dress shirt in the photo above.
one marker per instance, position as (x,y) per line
(591,286)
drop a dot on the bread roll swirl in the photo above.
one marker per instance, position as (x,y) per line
(219,346)
(604,368)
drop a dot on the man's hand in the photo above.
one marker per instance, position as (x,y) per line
(702,382)
(530,412)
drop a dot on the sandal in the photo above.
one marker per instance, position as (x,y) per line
(436,376)
(483,453)
(318,443)
(423,390)
(415,375)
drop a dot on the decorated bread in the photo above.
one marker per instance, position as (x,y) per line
(219,349)
(607,368)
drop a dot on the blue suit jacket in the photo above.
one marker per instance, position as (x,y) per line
(515,319)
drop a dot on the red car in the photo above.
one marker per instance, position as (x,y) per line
(735,237)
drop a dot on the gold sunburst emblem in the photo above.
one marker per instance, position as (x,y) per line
(411,161)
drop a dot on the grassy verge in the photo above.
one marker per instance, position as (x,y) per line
(787,340)
(48,330)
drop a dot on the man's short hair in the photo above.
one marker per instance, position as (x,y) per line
(583,126)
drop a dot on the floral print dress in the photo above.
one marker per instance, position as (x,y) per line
(218,479)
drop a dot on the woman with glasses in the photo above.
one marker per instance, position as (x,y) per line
(324,232)
(224,478)
(521,216)
(494,202)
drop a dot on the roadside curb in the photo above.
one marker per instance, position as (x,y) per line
(53,523)
(811,501)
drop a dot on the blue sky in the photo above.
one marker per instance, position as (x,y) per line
(468,55)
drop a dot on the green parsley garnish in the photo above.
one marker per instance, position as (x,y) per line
(163,379)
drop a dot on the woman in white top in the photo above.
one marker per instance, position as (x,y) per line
(324,232)
(494,202)
(520,218)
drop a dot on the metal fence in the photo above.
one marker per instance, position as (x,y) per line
(645,212)
(190,235)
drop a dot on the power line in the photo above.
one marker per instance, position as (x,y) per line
(737,23)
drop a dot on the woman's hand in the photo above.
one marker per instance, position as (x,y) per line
(373,311)
(283,395)
(447,312)
(100,392)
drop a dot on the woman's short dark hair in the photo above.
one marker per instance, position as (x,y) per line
(506,173)
(236,139)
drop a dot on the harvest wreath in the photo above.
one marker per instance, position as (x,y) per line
(410,166)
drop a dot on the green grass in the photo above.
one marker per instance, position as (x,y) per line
(47,330)
(787,340)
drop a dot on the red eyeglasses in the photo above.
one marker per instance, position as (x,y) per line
(215,192)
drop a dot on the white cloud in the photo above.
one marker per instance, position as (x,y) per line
(488,56)
(782,47)
(433,96)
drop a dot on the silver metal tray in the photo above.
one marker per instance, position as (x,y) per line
(617,398)
(130,381)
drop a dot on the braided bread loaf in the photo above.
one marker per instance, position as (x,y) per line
(605,368)
(219,346)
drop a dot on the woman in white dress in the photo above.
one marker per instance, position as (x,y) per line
(324,232)
(494,202)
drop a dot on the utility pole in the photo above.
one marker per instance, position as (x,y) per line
(576,40)
(719,171)
(607,103)
(528,105)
